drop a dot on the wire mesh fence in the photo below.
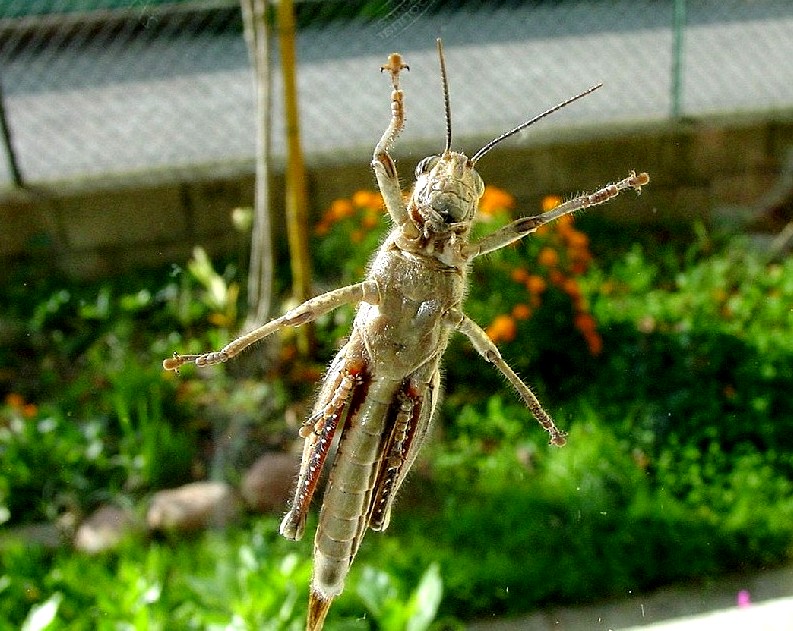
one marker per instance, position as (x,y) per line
(92,88)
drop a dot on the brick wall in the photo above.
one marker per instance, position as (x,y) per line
(100,228)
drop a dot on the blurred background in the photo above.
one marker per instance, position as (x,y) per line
(97,88)
(175,172)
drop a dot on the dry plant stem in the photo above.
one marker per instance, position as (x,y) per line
(260,272)
(381,390)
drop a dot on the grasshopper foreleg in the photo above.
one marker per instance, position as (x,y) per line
(382,163)
(487,349)
(318,432)
(526,225)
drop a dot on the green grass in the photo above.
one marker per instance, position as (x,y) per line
(242,578)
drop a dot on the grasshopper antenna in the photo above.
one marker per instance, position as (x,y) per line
(446,105)
(523,126)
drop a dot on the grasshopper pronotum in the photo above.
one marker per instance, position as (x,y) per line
(381,390)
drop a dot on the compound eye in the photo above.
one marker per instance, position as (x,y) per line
(426,164)
(479,184)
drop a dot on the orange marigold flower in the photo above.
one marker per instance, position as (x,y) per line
(582,255)
(535,284)
(585,323)
(594,343)
(521,311)
(360,198)
(557,277)
(566,221)
(15,400)
(519,275)
(502,329)
(549,202)
(579,267)
(322,228)
(576,239)
(367,199)
(29,410)
(548,257)
(340,209)
(571,288)
(494,200)
(369,221)
(564,225)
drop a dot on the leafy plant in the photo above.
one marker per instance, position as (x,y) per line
(708,357)
(381,595)
(49,463)
(237,579)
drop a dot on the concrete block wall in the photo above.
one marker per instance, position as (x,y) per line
(100,228)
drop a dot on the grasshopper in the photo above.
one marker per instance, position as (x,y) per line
(381,390)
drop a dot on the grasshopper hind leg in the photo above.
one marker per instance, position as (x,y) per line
(412,421)
(318,431)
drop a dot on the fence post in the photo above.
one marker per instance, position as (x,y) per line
(678,33)
(8,146)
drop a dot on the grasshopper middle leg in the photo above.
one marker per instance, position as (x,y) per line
(487,349)
(311,309)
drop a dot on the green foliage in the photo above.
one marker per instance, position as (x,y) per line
(678,463)
(587,521)
(709,357)
(237,580)
(381,595)
(93,408)
(245,579)
(50,464)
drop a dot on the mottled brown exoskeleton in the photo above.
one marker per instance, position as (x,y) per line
(382,388)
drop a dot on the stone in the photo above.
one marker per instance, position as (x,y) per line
(267,486)
(193,506)
(104,529)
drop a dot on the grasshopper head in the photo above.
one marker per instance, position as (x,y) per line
(446,193)
(448,188)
